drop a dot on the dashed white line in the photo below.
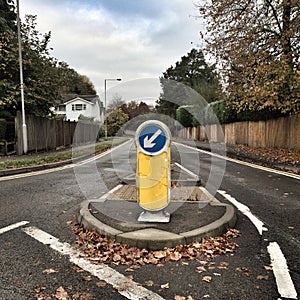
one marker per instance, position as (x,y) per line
(284,281)
(281,272)
(129,288)
(13,226)
(246,211)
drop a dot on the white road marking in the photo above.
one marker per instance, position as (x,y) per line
(129,288)
(284,281)
(102,154)
(186,170)
(105,196)
(246,211)
(13,226)
(295,176)
(47,171)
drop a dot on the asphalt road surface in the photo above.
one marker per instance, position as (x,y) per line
(36,258)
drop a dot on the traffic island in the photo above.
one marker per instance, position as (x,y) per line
(116,214)
(164,208)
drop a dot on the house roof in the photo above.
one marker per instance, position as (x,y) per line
(69,97)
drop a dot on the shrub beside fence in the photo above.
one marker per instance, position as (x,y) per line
(47,134)
(276,133)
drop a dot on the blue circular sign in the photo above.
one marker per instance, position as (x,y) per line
(152,138)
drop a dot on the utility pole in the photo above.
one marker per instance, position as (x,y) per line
(24,127)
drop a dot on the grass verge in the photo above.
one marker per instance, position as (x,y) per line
(52,158)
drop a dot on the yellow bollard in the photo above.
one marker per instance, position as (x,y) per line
(153,175)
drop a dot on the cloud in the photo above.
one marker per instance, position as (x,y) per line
(131,39)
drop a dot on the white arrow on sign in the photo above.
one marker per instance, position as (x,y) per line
(148,143)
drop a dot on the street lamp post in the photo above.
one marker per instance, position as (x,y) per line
(24,127)
(105,121)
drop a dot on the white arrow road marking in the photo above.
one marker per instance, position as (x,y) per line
(130,288)
(13,226)
(148,143)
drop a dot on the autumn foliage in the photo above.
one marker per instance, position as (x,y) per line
(256,44)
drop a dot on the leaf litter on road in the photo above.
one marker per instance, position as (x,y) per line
(100,249)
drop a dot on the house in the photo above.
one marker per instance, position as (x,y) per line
(71,106)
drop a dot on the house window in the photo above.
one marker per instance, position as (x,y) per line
(61,108)
(78,107)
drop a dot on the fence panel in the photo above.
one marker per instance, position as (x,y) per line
(230,134)
(241,133)
(257,134)
(294,133)
(276,133)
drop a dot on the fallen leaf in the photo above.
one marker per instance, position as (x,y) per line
(217,274)
(207,278)
(149,283)
(201,269)
(87,278)
(160,254)
(268,268)
(179,298)
(119,288)
(175,256)
(129,270)
(165,286)
(101,283)
(244,270)
(50,271)
(128,284)
(262,277)
(38,289)
(61,294)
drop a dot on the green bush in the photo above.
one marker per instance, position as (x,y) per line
(184,117)
(219,112)
(190,115)
(2,129)
(260,115)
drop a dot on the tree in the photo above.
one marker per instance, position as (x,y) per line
(134,109)
(116,102)
(257,45)
(8,16)
(115,120)
(193,72)
(71,82)
(44,77)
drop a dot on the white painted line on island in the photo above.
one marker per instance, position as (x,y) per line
(105,196)
(126,287)
(13,226)
(246,211)
(283,279)
(186,170)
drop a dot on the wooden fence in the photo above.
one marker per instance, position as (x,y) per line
(276,133)
(46,134)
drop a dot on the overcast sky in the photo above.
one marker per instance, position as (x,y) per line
(136,40)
